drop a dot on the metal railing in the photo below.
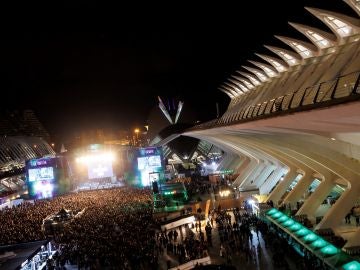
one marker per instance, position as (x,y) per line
(343,89)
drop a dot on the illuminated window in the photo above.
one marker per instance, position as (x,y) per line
(288,58)
(302,50)
(340,27)
(318,39)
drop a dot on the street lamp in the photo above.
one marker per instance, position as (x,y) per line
(137,135)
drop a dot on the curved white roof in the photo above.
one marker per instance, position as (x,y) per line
(343,26)
(276,63)
(319,38)
(269,70)
(226,92)
(288,78)
(305,49)
(238,84)
(259,74)
(230,90)
(289,57)
(247,83)
(234,87)
(354,4)
(252,78)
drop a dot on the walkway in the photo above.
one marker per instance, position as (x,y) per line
(262,259)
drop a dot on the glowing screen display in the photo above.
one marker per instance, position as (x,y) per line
(41,182)
(46,177)
(148,165)
(100,169)
(38,174)
(148,162)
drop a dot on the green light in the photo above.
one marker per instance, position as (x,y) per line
(310,237)
(277,215)
(329,250)
(272,211)
(283,219)
(295,227)
(320,243)
(353,265)
(303,231)
(288,223)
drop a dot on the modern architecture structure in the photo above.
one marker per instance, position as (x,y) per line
(22,137)
(292,129)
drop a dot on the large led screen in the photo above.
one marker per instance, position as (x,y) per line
(42,189)
(148,162)
(100,169)
(38,174)
(46,177)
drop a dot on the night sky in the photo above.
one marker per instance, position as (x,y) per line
(90,65)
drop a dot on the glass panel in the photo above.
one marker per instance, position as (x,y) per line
(346,85)
(325,91)
(297,98)
(310,95)
(262,108)
(286,101)
(269,106)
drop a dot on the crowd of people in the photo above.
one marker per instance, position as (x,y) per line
(189,246)
(198,185)
(117,228)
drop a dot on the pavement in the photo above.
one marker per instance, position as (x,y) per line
(262,259)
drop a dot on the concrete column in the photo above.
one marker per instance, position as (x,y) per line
(271,181)
(341,208)
(298,191)
(230,161)
(255,173)
(315,200)
(264,175)
(245,171)
(248,180)
(281,188)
